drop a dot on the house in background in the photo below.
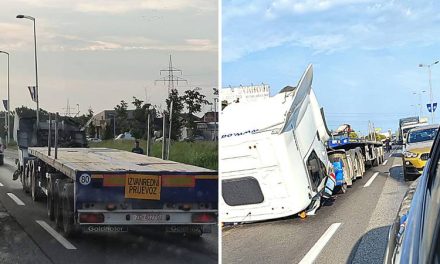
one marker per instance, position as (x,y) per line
(207,125)
(106,118)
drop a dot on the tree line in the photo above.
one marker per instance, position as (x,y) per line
(184,108)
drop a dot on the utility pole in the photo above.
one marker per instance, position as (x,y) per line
(148,149)
(430,88)
(36,67)
(170,79)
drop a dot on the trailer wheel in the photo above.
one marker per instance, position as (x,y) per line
(67,209)
(50,198)
(360,168)
(36,192)
(25,183)
(375,162)
(57,203)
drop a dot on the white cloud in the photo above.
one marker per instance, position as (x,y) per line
(136,43)
(306,6)
(324,43)
(325,26)
(119,7)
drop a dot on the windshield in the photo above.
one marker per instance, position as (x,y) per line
(422,135)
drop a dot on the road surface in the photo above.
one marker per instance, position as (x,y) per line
(27,236)
(353,229)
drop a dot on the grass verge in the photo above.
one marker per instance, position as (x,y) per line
(201,153)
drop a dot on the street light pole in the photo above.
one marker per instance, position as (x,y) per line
(420,101)
(430,87)
(8,139)
(36,67)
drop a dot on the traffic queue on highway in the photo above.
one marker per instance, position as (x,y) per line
(414,236)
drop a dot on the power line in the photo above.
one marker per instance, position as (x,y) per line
(171,78)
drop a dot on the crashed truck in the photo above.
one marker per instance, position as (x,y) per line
(273,156)
(109,190)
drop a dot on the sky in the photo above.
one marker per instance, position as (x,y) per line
(365,54)
(96,53)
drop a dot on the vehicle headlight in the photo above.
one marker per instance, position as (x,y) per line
(409,154)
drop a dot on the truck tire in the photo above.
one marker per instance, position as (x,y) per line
(50,198)
(57,203)
(36,192)
(375,162)
(24,182)
(69,228)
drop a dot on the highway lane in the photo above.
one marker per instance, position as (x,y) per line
(140,246)
(334,235)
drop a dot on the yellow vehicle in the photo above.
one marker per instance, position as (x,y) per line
(418,145)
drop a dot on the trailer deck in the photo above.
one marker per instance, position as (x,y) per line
(70,161)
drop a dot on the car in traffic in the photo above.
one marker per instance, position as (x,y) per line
(414,237)
(418,145)
(93,139)
(125,136)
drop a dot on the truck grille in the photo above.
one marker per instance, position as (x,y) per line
(424,156)
(242,191)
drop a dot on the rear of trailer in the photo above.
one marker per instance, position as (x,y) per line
(100,189)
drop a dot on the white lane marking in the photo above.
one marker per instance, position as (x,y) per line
(56,235)
(15,198)
(371,179)
(385,162)
(320,244)
(1,184)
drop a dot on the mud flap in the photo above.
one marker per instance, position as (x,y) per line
(330,184)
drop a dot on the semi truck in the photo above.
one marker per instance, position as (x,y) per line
(405,124)
(273,158)
(102,189)
(276,156)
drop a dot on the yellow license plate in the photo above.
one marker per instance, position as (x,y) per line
(145,187)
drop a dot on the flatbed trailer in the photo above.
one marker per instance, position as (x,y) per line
(372,151)
(101,189)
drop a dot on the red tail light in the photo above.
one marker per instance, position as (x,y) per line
(203,218)
(91,218)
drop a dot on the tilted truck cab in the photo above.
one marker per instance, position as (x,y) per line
(273,157)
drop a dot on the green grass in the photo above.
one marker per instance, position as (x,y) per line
(202,153)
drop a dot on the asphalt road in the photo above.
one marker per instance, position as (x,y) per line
(353,229)
(24,240)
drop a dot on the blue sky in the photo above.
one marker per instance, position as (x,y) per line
(365,53)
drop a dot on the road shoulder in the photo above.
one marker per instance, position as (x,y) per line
(15,245)
(372,245)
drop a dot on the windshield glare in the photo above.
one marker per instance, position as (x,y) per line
(422,135)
